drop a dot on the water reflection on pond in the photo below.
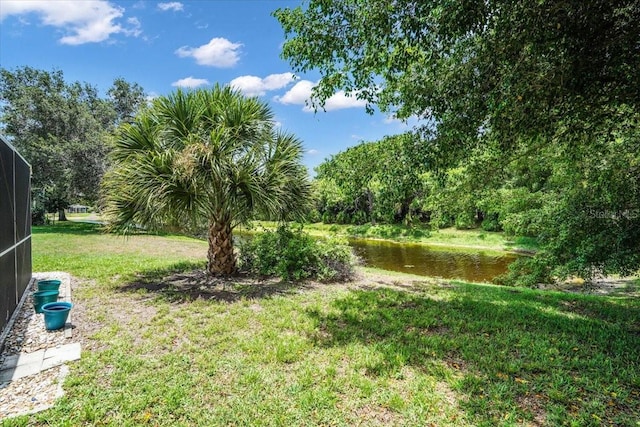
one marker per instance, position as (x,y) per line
(425,261)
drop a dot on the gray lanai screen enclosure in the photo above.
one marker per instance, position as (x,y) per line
(15,230)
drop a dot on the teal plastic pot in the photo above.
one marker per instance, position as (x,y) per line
(49,285)
(41,298)
(56,314)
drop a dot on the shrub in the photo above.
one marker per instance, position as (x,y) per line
(464,221)
(342,218)
(294,255)
(491,223)
(38,216)
(526,271)
(313,216)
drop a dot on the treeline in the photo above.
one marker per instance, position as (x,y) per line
(581,203)
(371,182)
(533,115)
(393,181)
(574,184)
(63,129)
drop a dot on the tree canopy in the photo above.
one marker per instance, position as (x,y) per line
(204,158)
(536,105)
(518,70)
(63,130)
(371,182)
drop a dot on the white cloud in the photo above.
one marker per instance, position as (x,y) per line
(340,100)
(313,152)
(256,86)
(300,94)
(82,21)
(390,119)
(278,81)
(402,123)
(219,52)
(249,85)
(190,82)
(136,27)
(173,5)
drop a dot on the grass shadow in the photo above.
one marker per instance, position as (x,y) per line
(514,355)
(93,228)
(188,281)
(68,227)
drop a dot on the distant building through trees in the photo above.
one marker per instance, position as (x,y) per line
(77,209)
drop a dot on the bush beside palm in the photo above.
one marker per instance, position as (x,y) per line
(292,254)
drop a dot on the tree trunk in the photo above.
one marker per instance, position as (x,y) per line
(61,215)
(220,257)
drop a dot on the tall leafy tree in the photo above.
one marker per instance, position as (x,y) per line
(205,157)
(352,173)
(517,69)
(60,128)
(376,181)
(521,80)
(63,130)
(126,98)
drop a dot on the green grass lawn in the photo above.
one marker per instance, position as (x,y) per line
(385,350)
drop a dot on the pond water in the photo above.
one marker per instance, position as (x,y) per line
(425,261)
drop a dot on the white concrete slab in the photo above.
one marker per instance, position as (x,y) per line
(57,356)
(23,359)
(28,358)
(10,362)
(20,371)
(27,364)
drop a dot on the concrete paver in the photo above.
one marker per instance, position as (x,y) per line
(57,356)
(32,363)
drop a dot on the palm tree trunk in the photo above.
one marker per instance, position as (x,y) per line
(221,259)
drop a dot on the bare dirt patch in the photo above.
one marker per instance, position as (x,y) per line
(197,284)
(534,404)
(183,286)
(612,286)
(375,415)
(151,245)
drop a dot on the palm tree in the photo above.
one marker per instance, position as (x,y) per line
(204,158)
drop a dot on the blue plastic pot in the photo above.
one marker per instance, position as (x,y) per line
(49,285)
(41,298)
(56,314)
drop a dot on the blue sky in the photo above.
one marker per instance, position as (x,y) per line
(163,45)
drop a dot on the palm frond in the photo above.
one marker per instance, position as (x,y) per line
(202,156)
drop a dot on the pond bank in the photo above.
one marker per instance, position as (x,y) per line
(448,239)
